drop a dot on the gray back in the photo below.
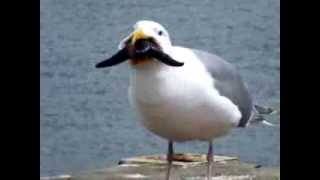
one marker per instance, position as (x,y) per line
(228,82)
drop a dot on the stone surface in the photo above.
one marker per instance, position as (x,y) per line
(60,177)
(186,167)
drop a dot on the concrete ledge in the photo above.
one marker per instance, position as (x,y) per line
(186,167)
(60,177)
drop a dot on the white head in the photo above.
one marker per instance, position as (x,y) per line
(148,43)
(149,29)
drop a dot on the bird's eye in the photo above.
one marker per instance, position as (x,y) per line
(160,33)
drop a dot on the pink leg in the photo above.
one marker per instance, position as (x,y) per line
(169,159)
(210,161)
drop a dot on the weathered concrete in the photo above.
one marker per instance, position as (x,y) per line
(60,177)
(186,167)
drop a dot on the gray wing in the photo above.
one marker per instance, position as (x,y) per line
(229,83)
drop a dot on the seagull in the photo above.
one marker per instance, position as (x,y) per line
(181,94)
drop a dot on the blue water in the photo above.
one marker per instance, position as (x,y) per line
(86,121)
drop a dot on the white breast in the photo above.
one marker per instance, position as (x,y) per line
(181,103)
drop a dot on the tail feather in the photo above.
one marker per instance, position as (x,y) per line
(258,116)
(263,110)
(259,119)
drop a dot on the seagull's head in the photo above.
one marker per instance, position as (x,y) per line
(150,31)
(148,43)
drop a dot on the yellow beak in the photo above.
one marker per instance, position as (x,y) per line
(138,34)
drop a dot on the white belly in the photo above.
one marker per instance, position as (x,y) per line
(181,103)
